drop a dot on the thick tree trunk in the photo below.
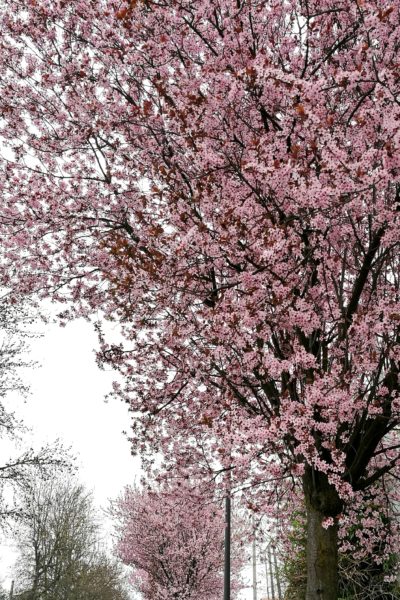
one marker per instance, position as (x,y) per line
(322,501)
(322,558)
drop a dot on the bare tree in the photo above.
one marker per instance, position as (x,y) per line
(16,471)
(58,542)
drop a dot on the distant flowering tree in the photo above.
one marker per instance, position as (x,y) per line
(222,178)
(173,538)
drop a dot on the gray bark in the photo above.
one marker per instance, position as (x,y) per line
(322,501)
(322,558)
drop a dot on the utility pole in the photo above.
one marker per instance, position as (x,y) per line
(271,573)
(266,573)
(278,582)
(12,590)
(254,562)
(227,548)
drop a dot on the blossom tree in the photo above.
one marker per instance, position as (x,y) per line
(221,177)
(173,539)
(368,554)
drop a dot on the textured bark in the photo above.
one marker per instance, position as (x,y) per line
(322,558)
(322,501)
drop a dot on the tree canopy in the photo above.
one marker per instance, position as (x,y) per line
(173,538)
(59,546)
(222,178)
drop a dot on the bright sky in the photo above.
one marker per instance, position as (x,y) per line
(67,402)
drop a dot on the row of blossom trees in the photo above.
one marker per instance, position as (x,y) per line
(222,179)
(173,538)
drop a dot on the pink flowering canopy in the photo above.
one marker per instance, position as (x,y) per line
(221,177)
(173,539)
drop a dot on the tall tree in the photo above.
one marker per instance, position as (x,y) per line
(173,538)
(222,178)
(58,542)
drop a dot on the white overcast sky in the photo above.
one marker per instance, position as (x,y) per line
(67,402)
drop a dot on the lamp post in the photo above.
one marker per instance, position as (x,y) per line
(254,562)
(227,548)
(266,573)
(271,573)
(278,582)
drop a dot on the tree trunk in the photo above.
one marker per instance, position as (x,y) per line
(322,501)
(322,558)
